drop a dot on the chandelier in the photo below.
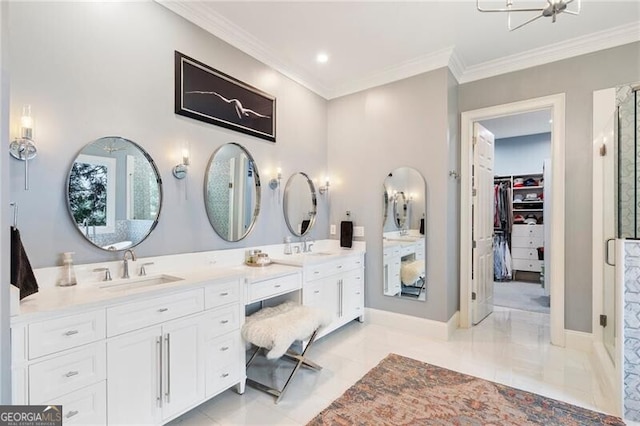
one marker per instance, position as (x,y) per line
(552,9)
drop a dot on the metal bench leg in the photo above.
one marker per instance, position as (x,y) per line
(301,361)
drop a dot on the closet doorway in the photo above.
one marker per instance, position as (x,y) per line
(521,184)
(526,205)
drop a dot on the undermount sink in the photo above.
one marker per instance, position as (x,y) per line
(133,283)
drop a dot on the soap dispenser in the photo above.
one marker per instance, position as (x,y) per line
(68,273)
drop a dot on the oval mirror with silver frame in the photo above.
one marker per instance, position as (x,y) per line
(232,192)
(114,193)
(300,204)
(403,235)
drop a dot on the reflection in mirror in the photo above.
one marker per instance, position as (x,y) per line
(232,192)
(403,234)
(114,193)
(300,205)
(385,203)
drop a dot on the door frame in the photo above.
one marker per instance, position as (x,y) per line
(556,103)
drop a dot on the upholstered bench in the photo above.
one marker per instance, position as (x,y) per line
(412,275)
(274,329)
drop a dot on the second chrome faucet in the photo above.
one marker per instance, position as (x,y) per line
(125,270)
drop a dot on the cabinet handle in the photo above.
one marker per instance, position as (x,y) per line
(224,321)
(224,294)
(316,272)
(71,332)
(277,286)
(224,348)
(358,293)
(339,266)
(71,414)
(168,393)
(316,291)
(71,374)
(159,351)
(224,375)
(163,309)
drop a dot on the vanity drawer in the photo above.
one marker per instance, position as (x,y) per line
(535,231)
(527,265)
(225,355)
(221,294)
(273,287)
(407,249)
(66,373)
(390,252)
(86,406)
(221,321)
(133,316)
(55,335)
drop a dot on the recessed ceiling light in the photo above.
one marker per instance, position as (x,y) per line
(322,58)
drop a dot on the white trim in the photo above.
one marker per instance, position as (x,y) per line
(578,340)
(427,328)
(600,40)
(557,105)
(204,17)
(606,373)
(453,324)
(619,360)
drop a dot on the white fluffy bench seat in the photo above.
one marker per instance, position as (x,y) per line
(275,329)
(411,272)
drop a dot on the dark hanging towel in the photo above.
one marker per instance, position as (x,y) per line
(422,226)
(21,273)
(346,234)
(304,226)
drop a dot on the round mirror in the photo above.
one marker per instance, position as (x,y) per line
(300,204)
(400,208)
(114,193)
(232,192)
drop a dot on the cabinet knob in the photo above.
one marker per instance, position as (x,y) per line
(224,321)
(71,374)
(163,309)
(316,291)
(224,375)
(224,348)
(71,414)
(71,332)
(224,294)
(277,286)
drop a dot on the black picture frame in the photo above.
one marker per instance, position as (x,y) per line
(206,94)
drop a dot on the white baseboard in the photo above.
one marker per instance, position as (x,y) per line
(435,329)
(607,375)
(578,340)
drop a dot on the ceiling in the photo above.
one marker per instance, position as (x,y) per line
(528,123)
(370,43)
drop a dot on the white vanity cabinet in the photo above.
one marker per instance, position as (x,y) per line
(146,361)
(391,270)
(336,286)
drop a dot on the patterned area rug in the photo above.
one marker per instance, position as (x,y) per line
(403,391)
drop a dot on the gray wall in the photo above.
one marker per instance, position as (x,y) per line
(5,211)
(576,77)
(96,69)
(373,132)
(521,154)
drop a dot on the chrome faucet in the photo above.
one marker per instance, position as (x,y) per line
(125,272)
(85,223)
(306,245)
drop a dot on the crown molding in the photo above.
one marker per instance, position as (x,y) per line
(415,66)
(600,40)
(200,15)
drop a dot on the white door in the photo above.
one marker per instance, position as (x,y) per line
(482,275)
(133,377)
(183,365)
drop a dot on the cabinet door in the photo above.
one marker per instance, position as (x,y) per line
(133,377)
(353,294)
(394,276)
(182,365)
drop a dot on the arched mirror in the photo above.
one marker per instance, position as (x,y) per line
(232,192)
(403,235)
(300,205)
(114,193)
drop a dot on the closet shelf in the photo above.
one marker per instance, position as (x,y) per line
(528,210)
(517,188)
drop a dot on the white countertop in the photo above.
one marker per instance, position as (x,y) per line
(68,300)
(314,257)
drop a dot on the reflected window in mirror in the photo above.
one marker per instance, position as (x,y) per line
(232,192)
(403,235)
(114,193)
(300,204)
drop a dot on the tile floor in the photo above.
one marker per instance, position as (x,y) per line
(509,347)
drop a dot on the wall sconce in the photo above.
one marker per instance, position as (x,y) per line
(274,183)
(24,148)
(324,188)
(180,170)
